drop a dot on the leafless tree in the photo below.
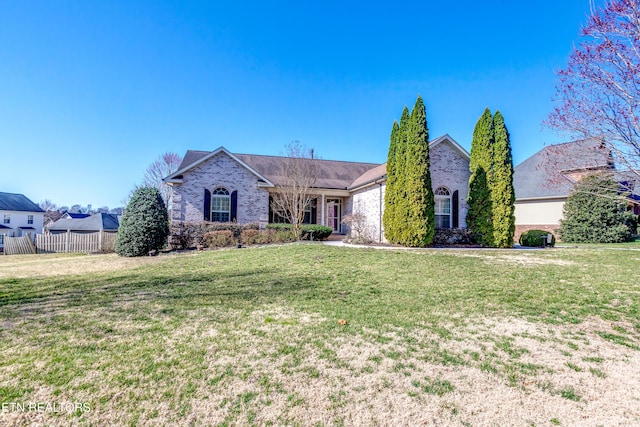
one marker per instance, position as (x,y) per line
(51,211)
(163,166)
(598,93)
(296,179)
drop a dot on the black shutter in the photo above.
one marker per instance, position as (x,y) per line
(455,210)
(234,206)
(314,211)
(207,205)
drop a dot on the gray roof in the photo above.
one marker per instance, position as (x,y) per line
(548,173)
(96,222)
(372,175)
(17,202)
(334,174)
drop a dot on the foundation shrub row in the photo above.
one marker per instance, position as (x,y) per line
(186,235)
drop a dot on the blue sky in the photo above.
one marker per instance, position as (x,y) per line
(92,92)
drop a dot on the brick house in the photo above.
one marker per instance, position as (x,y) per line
(222,186)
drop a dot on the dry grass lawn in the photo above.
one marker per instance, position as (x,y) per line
(252,337)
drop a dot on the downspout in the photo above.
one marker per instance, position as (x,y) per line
(380,215)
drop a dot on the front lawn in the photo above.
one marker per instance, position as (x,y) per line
(306,334)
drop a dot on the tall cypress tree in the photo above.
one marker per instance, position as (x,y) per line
(417,182)
(502,193)
(390,195)
(400,194)
(479,216)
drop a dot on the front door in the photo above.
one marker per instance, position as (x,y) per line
(333,214)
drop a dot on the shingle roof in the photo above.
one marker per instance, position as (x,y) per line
(17,202)
(334,174)
(370,176)
(96,222)
(547,173)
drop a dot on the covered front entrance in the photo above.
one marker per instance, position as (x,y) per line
(334,214)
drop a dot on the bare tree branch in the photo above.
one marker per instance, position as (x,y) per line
(297,177)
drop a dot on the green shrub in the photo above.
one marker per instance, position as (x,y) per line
(315,232)
(309,231)
(145,224)
(534,238)
(219,239)
(595,212)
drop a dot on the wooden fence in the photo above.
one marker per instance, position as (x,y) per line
(66,242)
(76,242)
(19,245)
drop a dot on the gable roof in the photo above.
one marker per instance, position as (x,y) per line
(451,141)
(194,158)
(334,174)
(17,202)
(548,173)
(96,222)
(379,172)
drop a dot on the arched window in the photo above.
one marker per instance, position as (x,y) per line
(220,205)
(442,199)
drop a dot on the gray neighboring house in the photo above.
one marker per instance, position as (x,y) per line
(19,216)
(85,224)
(222,186)
(543,181)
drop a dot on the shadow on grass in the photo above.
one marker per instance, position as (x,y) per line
(256,285)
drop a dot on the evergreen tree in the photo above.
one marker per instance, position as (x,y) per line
(595,213)
(419,200)
(145,224)
(388,218)
(479,216)
(400,209)
(502,193)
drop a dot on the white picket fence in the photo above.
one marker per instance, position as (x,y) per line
(65,242)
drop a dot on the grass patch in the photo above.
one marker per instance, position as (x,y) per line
(248,337)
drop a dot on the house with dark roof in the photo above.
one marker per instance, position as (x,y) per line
(19,216)
(223,186)
(543,181)
(84,224)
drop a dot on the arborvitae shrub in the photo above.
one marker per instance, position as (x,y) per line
(145,224)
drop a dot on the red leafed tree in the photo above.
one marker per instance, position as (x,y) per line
(598,93)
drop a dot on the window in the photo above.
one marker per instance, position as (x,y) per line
(220,205)
(1,239)
(442,199)
(30,219)
(7,219)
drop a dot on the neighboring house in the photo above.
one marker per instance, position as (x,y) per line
(543,181)
(83,223)
(74,215)
(221,186)
(19,216)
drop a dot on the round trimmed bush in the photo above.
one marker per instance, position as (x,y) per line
(534,238)
(145,224)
